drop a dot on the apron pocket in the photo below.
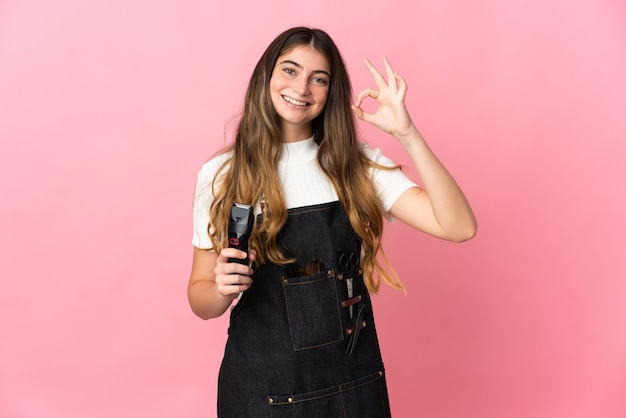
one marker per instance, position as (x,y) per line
(313,311)
(361,398)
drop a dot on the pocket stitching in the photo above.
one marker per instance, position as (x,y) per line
(323,276)
(333,390)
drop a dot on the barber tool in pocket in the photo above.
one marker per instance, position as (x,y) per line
(312,267)
(348,262)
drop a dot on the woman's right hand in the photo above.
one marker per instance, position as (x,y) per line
(233,278)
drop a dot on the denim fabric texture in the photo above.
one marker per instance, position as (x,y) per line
(289,350)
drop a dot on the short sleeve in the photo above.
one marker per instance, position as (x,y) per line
(389,184)
(202,200)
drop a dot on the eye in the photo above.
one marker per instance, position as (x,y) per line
(320,80)
(289,71)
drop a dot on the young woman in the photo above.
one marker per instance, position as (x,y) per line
(302,339)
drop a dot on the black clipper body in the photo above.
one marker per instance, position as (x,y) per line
(239,229)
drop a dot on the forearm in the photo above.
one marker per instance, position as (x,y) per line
(450,207)
(205,301)
(440,208)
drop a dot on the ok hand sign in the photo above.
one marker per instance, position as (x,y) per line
(391,116)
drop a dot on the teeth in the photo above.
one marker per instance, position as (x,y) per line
(294,102)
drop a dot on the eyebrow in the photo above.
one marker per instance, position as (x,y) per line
(295,64)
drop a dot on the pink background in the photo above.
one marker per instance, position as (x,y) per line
(108,109)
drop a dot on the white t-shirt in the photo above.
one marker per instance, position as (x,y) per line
(304,183)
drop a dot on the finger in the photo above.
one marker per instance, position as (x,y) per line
(240,280)
(391,76)
(225,265)
(357,111)
(236,289)
(226,273)
(252,254)
(361,114)
(225,280)
(238,268)
(232,289)
(369,92)
(251,257)
(402,86)
(228,252)
(378,78)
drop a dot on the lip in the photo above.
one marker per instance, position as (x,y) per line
(300,104)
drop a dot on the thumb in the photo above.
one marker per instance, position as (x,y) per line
(361,114)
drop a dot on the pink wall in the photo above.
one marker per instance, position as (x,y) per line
(107,110)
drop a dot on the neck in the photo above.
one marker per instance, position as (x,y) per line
(292,133)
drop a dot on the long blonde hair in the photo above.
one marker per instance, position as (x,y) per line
(251,172)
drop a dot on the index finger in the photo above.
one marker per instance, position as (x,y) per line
(229,252)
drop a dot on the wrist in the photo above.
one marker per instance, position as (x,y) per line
(409,135)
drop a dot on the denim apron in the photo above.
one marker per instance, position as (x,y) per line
(301,340)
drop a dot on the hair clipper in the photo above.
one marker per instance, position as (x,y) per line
(239,229)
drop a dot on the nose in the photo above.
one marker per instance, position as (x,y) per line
(301,86)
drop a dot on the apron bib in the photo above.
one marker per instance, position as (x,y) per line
(302,340)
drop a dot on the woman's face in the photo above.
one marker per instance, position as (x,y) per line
(299,89)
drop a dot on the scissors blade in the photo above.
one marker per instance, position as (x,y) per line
(350,294)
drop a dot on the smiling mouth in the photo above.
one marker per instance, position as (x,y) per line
(295,102)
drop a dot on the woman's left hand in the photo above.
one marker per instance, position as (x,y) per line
(391,116)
